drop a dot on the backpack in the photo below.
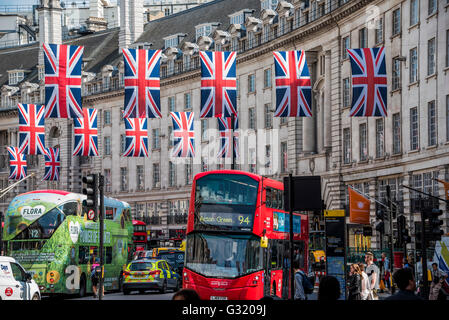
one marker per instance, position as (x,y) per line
(307,284)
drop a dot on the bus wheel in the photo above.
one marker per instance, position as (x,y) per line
(36,296)
(82,292)
(177,286)
(126,292)
(120,283)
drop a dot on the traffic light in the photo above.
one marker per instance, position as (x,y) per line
(379,226)
(403,234)
(91,191)
(380,214)
(435,223)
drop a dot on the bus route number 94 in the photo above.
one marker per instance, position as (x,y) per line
(243,220)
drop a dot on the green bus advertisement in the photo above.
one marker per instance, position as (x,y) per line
(49,233)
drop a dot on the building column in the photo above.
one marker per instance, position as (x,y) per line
(50,28)
(327,100)
(309,131)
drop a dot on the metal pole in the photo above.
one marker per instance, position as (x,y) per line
(424,252)
(100,188)
(390,203)
(231,141)
(1,233)
(290,200)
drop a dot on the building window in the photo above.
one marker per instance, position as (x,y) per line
(267,156)
(107,117)
(203,164)
(414,12)
(187,101)
(123,179)
(204,127)
(15,77)
(140,178)
(413,65)
(156,176)
(414,129)
(432,6)
(252,160)
(379,31)
(363,142)
(107,180)
(107,146)
(396,133)
(268,116)
(267,78)
(235,44)
(284,157)
(156,139)
(380,146)
(252,118)
(363,38)
(171,104)
(431,57)
(171,141)
(189,173)
(396,22)
(432,123)
(251,83)
(396,74)
(346,92)
(346,45)
(122,143)
(171,174)
(346,145)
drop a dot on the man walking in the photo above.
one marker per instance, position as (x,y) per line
(438,278)
(386,270)
(373,273)
(406,283)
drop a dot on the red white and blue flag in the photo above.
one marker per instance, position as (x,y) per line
(17,164)
(142,83)
(63,80)
(52,164)
(184,135)
(136,142)
(31,128)
(218,84)
(227,133)
(86,134)
(369,82)
(293,85)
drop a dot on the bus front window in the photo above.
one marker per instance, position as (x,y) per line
(44,227)
(227,256)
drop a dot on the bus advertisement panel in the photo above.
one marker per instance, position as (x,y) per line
(48,232)
(237,244)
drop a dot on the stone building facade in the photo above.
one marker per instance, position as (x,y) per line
(408,147)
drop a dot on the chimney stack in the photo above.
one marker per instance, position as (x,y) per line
(131,22)
(50,24)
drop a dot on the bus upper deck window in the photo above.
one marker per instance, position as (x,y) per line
(69,208)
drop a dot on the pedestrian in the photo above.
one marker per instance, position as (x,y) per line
(329,289)
(300,280)
(386,270)
(438,278)
(405,281)
(354,283)
(365,289)
(186,294)
(95,277)
(373,273)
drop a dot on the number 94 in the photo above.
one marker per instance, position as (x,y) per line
(243,220)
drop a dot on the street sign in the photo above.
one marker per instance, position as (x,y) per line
(91,214)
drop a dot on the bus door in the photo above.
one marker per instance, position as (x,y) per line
(275,261)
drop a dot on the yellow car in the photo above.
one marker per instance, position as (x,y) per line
(150,274)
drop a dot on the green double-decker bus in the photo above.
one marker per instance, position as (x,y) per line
(49,233)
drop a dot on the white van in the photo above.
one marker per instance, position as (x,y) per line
(15,282)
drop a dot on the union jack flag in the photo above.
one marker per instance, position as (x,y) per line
(225,129)
(63,80)
(31,129)
(218,84)
(52,164)
(369,82)
(293,85)
(86,134)
(183,133)
(17,164)
(142,83)
(136,138)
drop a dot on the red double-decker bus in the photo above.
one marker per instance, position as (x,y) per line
(230,213)
(139,235)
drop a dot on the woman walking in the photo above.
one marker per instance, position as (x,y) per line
(365,292)
(354,282)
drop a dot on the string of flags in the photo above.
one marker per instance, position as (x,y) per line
(63,71)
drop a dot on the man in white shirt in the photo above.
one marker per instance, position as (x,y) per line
(373,273)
